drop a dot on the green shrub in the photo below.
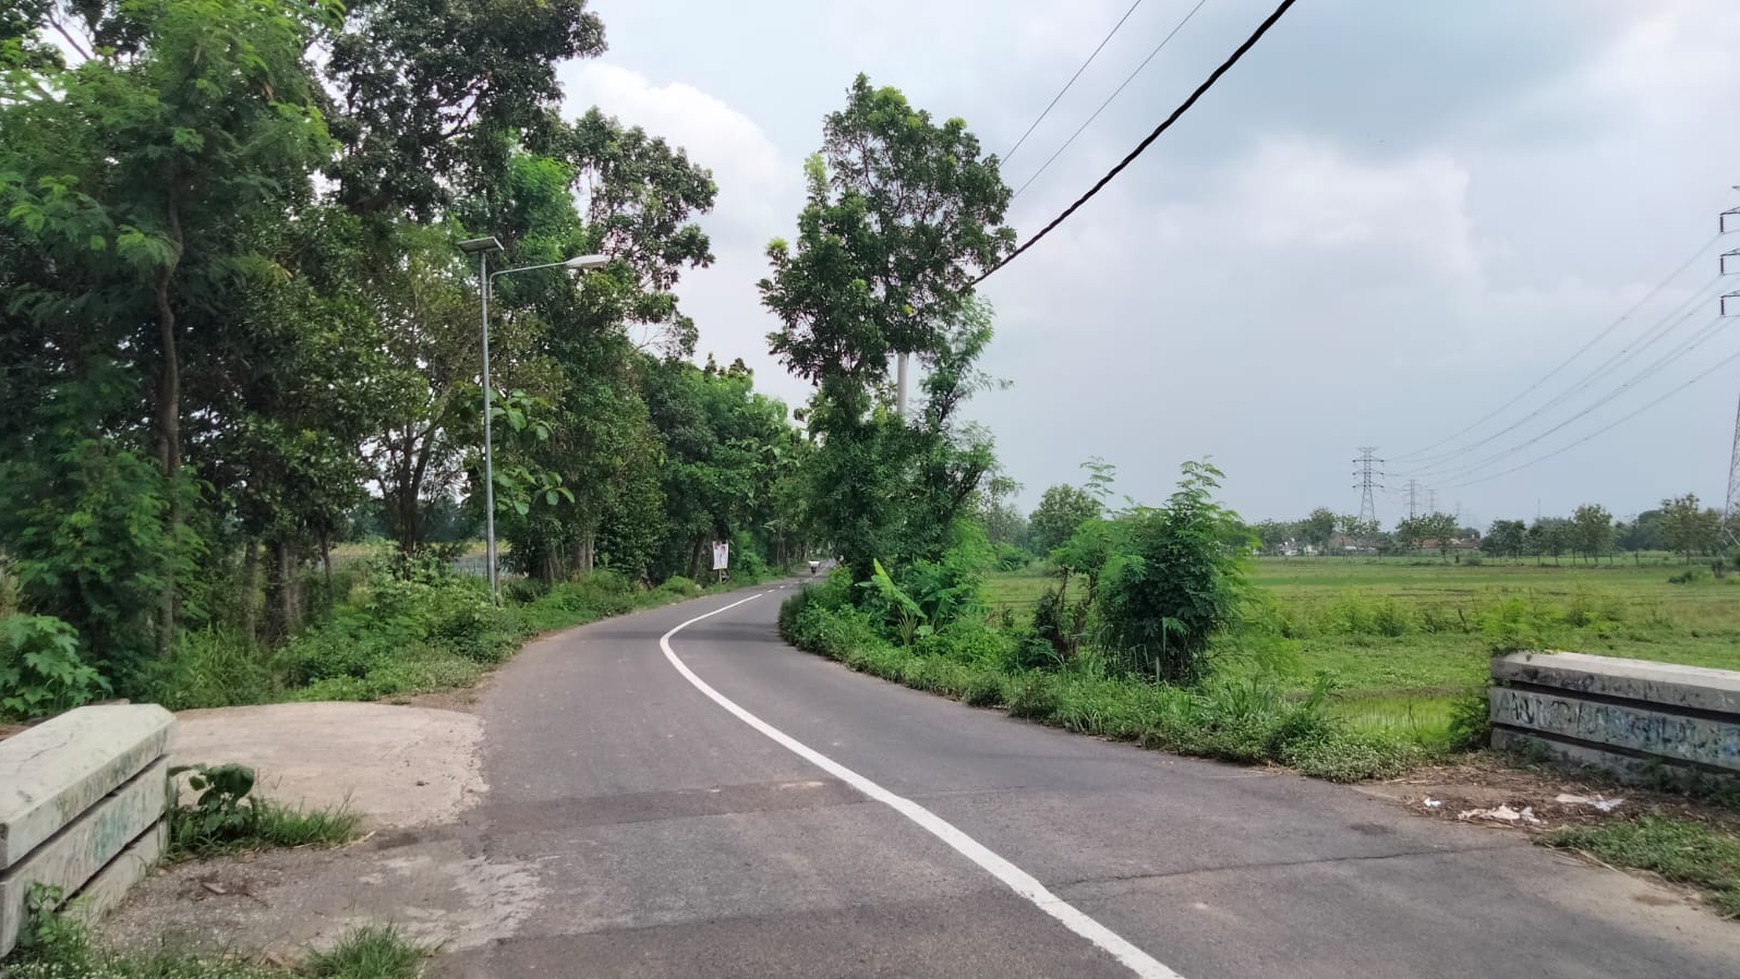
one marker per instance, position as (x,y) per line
(1033,695)
(1519,623)
(681,586)
(41,672)
(214,668)
(225,817)
(1178,585)
(1471,721)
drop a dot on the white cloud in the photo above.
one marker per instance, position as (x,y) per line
(756,181)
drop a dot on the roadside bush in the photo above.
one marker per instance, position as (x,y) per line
(1471,721)
(214,668)
(41,671)
(1520,623)
(1250,721)
(1178,585)
(679,585)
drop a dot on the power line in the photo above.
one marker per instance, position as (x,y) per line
(1109,99)
(1225,66)
(1066,85)
(1615,424)
(1580,351)
(1697,340)
(1660,329)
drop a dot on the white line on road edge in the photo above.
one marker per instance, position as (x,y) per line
(1018,880)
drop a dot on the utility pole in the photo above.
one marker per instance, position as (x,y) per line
(1368,476)
(900,386)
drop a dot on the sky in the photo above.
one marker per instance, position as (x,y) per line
(1387,221)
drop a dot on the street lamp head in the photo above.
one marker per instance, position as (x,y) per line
(587,262)
(474,246)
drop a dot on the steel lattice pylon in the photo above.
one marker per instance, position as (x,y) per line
(1731,509)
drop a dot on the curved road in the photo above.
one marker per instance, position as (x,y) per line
(734,807)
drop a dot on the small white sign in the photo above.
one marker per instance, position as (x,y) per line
(721,555)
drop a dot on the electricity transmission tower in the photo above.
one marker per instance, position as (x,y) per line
(1368,480)
(1731,506)
(1413,498)
(1731,509)
(1431,501)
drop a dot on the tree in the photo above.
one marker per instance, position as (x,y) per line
(1060,511)
(1435,529)
(1688,529)
(1317,528)
(1549,537)
(426,92)
(1591,531)
(1505,538)
(1178,585)
(139,185)
(900,214)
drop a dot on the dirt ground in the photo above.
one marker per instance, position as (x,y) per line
(395,765)
(1472,790)
(410,771)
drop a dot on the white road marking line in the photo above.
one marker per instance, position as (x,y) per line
(1017,880)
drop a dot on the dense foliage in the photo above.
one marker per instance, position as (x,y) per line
(237,331)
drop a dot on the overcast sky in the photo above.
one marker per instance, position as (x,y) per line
(1391,218)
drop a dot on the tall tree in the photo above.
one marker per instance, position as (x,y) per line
(140,180)
(1687,528)
(900,214)
(1592,531)
(1062,508)
(1505,538)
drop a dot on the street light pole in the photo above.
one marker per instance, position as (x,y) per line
(482,247)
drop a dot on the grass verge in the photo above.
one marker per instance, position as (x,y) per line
(52,946)
(390,635)
(270,826)
(1244,720)
(1684,851)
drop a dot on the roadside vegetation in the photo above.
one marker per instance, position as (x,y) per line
(226,817)
(1685,851)
(240,338)
(55,946)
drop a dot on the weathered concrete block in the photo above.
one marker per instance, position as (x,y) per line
(58,769)
(86,846)
(1697,739)
(1627,768)
(1693,687)
(111,884)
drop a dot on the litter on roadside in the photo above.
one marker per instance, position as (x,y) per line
(1433,803)
(1502,814)
(1605,805)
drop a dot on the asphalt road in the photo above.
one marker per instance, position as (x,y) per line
(819,822)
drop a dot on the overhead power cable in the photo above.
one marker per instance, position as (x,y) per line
(1109,99)
(1580,351)
(1710,330)
(1650,337)
(1718,365)
(1066,85)
(1225,66)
